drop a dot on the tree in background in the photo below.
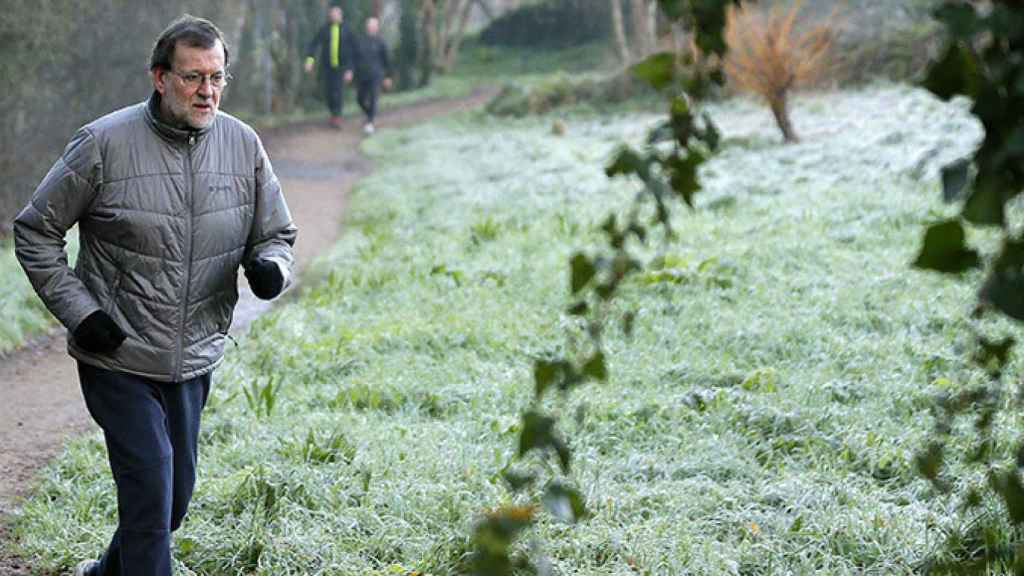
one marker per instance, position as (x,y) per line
(619,32)
(427,42)
(443,25)
(408,46)
(771,53)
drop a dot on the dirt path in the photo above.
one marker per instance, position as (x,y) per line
(40,402)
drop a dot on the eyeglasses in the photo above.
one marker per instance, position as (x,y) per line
(193,80)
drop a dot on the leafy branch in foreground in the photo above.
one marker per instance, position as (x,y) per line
(668,168)
(984,61)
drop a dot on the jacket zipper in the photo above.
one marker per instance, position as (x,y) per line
(114,288)
(188,262)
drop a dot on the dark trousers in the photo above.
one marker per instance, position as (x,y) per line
(334,83)
(152,431)
(367,94)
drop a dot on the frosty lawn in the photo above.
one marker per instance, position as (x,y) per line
(760,420)
(22,314)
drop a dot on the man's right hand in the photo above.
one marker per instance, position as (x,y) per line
(309,67)
(98,334)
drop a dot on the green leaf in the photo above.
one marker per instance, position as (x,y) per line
(583,271)
(955,73)
(596,367)
(627,162)
(1004,287)
(661,133)
(579,309)
(710,19)
(499,528)
(986,203)
(944,249)
(538,433)
(1008,485)
(961,20)
(955,177)
(710,134)
(993,355)
(682,120)
(673,9)
(683,175)
(798,524)
(518,481)
(564,503)
(628,323)
(929,462)
(658,70)
(546,374)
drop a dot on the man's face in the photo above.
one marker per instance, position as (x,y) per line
(191,105)
(334,15)
(372,26)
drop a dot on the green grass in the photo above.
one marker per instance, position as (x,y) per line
(22,314)
(760,420)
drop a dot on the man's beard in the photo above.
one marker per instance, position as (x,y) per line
(181,114)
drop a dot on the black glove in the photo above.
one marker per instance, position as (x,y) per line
(265,279)
(98,333)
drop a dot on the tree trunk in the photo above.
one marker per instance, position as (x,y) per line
(485,7)
(454,42)
(780,110)
(429,41)
(619,29)
(408,45)
(652,25)
(263,27)
(641,29)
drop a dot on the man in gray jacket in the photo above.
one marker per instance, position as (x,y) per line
(171,196)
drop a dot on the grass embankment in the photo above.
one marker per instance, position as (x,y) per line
(761,419)
(22,314)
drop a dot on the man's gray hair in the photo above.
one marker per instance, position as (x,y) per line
(190,30)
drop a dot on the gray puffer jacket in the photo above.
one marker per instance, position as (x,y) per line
(165,218)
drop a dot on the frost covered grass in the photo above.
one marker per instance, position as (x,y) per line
(761,420)
(22,314)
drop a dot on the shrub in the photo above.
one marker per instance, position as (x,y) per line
(900,54)
(560,92)
(771,53)
(550,24)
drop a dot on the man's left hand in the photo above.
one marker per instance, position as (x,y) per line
(348,77)
(265,279)
(387,84)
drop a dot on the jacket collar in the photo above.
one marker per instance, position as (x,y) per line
(165,130)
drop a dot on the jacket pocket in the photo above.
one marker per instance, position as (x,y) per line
(103,216)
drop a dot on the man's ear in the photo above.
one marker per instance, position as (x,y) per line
(159,76)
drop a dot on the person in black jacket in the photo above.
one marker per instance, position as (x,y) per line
(373,70)
(335,46)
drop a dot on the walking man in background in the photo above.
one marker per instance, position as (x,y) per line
(171,196)
(336,48)
(373,70)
